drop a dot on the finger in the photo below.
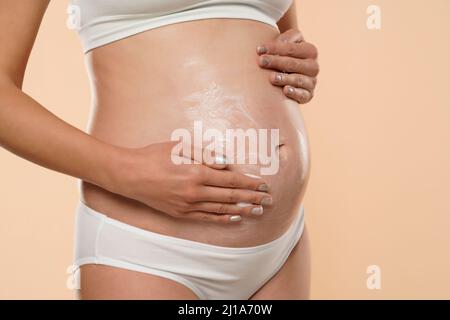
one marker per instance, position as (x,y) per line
(199,155)
(227,195)
(303,50)
(230,179)
(291,35)
(293,79)
(208,217)
(214,159)
(228,208)
(298,94)
(306,67)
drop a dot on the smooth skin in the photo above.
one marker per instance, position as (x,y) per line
(32,132)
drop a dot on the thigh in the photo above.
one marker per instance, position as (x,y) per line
(104,282)
(292,281)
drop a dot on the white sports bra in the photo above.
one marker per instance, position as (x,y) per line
(103,21)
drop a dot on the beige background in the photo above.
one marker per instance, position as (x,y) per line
(380,137)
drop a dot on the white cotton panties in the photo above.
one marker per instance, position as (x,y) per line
(210,271)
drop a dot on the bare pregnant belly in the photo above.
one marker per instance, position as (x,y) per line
(199,77)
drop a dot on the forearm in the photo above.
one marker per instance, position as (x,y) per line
(289,20)
(32,132)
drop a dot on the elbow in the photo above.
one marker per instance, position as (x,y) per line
(8,92)
(7,84)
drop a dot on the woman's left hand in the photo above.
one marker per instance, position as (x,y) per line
(296,63)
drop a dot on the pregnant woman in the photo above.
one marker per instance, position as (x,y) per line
(150,224)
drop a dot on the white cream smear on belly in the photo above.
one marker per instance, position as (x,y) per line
(217,109)
(304,154)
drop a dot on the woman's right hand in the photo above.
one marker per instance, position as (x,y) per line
(201,191)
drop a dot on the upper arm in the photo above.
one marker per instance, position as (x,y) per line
(289,19)
(19,24)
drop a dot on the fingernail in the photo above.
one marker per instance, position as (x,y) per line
(290,90)
(235,218)
(257,210)
(261,49)
(266,201)
(243,204)
(278,77)
(263,187)
(265,61)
